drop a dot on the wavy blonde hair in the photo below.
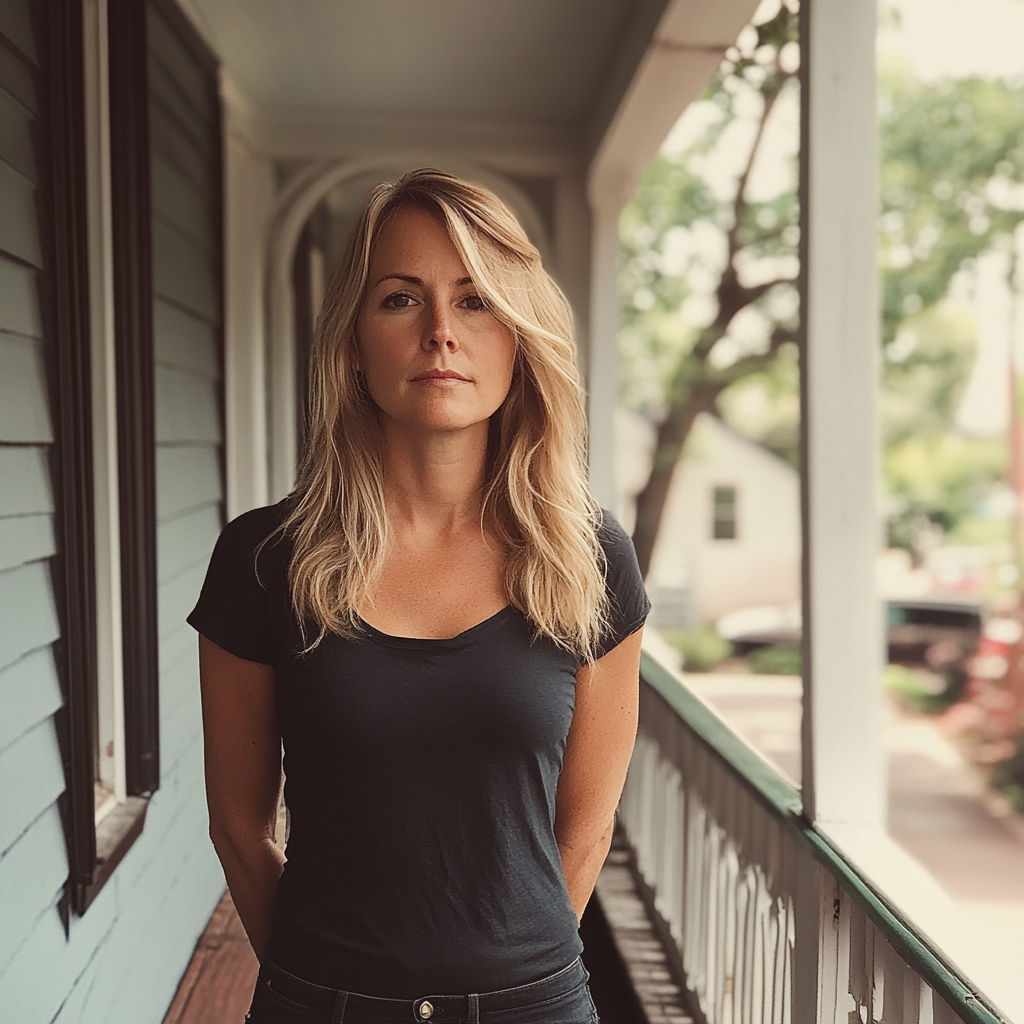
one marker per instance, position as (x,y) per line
(535,499)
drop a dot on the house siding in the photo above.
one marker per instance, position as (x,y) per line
(33,859)
(122,960)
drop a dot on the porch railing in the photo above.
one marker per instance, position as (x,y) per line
(766,920)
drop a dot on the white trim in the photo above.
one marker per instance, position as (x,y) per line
(248,207)
(518,147)
(298,200)
(843,762)
(679,61)
(110,670)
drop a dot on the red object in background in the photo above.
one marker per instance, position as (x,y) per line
(991,715)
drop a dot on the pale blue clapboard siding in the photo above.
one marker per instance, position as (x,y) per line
(31,778)
(16,24)
(179,644)
(183,272)
(177,598)
(173,142)
(186,541)
(28,613)
(29,693)
(47,964)
(186,477)
(184,341)
(19,231)
(178,200)
(186,408)
(19,299)
(180,721)
(129,980)
(16,136)
(181,76)
(32,873)
(24,416)
(25,539)
(25,478)
(141,928)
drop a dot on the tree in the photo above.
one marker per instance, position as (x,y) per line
(754,295)
(952,167)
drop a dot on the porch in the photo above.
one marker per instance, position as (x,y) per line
(221,150)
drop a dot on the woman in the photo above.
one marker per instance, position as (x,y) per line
(444,632)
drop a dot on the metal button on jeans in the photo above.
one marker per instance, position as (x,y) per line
(426,1009)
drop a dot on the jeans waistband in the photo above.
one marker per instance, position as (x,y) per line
(436,1009)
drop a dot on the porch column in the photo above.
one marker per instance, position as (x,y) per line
(602,364)
(843,765)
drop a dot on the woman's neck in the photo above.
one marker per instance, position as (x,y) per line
(433,482)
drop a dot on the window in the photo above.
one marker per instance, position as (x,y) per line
(723,524)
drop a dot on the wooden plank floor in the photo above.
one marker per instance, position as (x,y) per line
(217,987)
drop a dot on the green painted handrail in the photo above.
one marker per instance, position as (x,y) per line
(782,799)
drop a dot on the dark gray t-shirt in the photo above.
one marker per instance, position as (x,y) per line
(420,777)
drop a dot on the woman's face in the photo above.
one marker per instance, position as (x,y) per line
(432,354)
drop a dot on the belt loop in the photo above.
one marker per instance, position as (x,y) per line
(474,1009)
(338,1013)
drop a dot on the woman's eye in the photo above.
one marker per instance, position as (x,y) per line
(474,303)
(397,301)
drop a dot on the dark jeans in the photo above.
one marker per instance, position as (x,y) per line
(562,998)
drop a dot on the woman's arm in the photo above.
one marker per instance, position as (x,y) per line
(243,781)
(597,755)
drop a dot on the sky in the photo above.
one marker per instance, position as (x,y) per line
(961,38)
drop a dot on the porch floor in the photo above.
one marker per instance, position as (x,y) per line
(217,986)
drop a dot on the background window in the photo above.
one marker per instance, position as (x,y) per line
(724,513)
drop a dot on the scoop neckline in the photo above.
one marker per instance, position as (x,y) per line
(467,636)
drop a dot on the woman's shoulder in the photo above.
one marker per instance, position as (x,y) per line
(615,542)
(256,525)
(257,535)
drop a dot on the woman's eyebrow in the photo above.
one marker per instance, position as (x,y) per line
(409,279)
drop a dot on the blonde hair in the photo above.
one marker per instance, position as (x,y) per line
(536,498)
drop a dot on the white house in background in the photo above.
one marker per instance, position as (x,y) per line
(730,535)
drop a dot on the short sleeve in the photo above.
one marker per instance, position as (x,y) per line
(628,600)
(238,607)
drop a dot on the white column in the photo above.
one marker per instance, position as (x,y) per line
(843,765)
(602,356)
(248,201)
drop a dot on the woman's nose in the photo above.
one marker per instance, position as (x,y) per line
(441,332)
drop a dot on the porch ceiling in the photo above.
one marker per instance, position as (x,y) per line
(522,60)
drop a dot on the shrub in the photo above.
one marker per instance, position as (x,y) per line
(702,648)
(777,660)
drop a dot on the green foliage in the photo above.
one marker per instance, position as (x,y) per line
(936,480)
(917,689)
(682,211)
(948,151)
(702,648)
(778,660)
(701,258)
(926,370)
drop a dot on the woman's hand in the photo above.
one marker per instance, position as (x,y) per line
(597,755)
(243,781)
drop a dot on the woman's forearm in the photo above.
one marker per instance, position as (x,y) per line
(581,864)
(252,871)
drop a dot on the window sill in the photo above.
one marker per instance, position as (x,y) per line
(115,834)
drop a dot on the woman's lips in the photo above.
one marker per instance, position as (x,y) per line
(442,377)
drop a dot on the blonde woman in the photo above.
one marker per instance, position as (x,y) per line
(442,629)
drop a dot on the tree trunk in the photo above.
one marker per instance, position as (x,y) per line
(672,434)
